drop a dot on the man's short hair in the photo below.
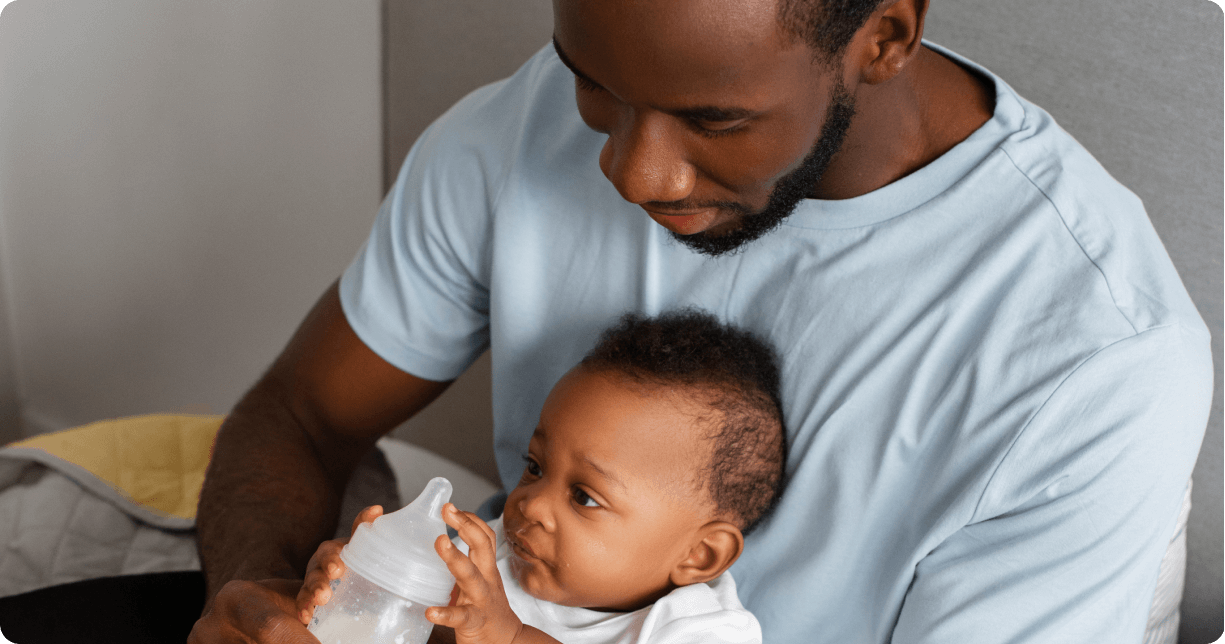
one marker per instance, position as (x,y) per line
(733,373)
(825,25)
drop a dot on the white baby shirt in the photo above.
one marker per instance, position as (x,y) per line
(708,613)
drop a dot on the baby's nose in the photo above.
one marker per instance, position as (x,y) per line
(536,509)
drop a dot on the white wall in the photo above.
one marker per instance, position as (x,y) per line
(179,181)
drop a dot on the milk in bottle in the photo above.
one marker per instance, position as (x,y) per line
(392,574)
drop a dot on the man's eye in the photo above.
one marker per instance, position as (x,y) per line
(584,499)
(714,129)
(532,468)
(586,85)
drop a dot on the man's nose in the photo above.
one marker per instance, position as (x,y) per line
(645,163)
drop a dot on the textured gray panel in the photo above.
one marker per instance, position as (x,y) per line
(1138,83)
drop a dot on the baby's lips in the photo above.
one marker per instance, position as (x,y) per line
(516,543)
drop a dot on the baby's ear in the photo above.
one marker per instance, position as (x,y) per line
(716,546)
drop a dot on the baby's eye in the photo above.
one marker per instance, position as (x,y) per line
(584,499)
(532,468)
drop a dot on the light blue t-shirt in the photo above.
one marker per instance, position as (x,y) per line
(994,383)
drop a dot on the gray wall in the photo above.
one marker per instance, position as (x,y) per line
(179,181)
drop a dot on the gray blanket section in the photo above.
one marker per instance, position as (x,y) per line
(55,530)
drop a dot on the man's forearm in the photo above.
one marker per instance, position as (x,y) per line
(267,500)
(280,463)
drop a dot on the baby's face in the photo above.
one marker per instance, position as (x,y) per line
(608,502)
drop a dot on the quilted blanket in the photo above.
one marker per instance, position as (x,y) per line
(111,498)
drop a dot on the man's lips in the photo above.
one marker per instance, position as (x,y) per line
(684,222)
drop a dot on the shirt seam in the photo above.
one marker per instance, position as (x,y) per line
(1063,220)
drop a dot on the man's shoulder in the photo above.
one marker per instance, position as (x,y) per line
(1106,222)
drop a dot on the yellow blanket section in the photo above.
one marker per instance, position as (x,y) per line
(157,461)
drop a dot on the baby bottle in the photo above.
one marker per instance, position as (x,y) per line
(392,574)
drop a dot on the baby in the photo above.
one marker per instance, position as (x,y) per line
(651,461)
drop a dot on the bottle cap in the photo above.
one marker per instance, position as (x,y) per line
(396,551)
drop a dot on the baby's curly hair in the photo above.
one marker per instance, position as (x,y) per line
(736,375)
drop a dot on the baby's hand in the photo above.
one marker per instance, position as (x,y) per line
(325,566)
(480,613)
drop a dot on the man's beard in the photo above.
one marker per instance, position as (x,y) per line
(789,190)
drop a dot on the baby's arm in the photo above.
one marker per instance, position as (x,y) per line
(325,566)
(480,614)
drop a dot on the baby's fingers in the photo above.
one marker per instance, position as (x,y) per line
(482,543)
(311,594)
(366,516)
(325,565)
(457,617)
(468,577)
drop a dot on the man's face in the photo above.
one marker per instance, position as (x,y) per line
(717,123)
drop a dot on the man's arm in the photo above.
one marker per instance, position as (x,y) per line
(1068,536)
(280,463)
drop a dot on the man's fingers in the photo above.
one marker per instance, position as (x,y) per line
(366,516)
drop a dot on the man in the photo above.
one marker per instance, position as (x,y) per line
(995,385)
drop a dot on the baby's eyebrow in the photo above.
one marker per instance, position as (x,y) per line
(604,473)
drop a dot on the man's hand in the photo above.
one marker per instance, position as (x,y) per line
(252,611)
(480,613)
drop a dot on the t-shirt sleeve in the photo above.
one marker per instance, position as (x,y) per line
(1068,536)
(417,293)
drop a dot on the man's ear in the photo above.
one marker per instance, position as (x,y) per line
(716,546)
(888,40)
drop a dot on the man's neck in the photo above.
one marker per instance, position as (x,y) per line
(905,123)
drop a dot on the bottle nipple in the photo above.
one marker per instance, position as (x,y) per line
(396,551)
(426,507)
